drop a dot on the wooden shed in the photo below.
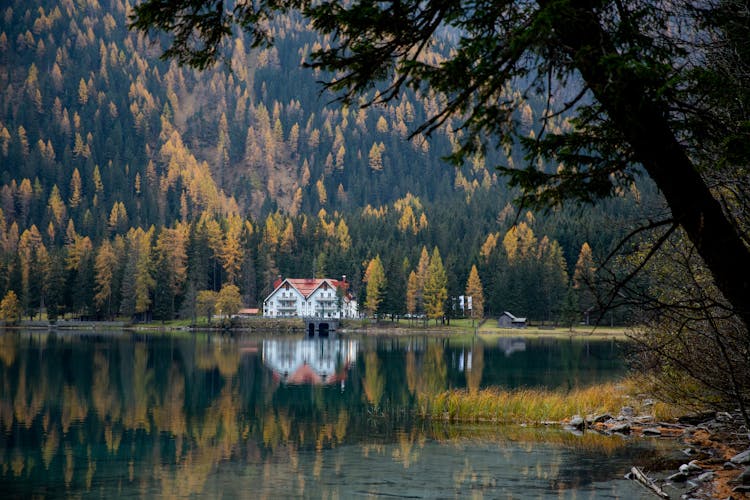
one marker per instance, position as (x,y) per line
(507,320)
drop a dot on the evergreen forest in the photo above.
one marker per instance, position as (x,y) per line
(130,186)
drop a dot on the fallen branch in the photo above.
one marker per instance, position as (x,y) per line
(638,475)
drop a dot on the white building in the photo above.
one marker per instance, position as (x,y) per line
(310,298)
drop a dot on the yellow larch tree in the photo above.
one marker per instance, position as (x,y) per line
(232,252)
(412,293)
(475,291)
(75,189)
(422,265)
(56,207)
(104,268)
(488,246)
(375,280)
(342,235)
(435,287)
(519,242)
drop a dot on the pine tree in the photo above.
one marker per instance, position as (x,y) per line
(55,298)
(394,299)
(82,293)
(554,286)
(583,281)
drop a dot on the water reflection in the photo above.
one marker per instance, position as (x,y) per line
(310,361)
(119,414)
(511,345)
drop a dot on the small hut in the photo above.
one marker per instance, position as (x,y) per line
(507,320)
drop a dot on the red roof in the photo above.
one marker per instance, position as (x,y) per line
(306,375)
(306,286)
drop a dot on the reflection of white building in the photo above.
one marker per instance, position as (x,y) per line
(319,297)
(309,361)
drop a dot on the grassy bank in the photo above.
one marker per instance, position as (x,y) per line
(538,406)
(468,327)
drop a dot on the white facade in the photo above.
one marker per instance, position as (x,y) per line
(308,298)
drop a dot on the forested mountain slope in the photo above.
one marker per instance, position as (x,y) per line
(129,184)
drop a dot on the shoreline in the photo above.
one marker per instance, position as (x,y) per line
(714,464)
(287,326)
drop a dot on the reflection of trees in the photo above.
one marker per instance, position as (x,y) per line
(428,374)
(138,395)
(474,374)
(104,398)
(172,410)
(435,372)
(168,413)
(374,382)
(7,349)
(223,356)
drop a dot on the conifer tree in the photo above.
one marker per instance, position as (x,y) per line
(105,265)
(475,291)
(75,189)
(376,283)
(583,281)
(375,158)
(57,207)
(422,265)
(231,250)
(412,291)
(394,295)
(55,300)
(554,285)
(435,287)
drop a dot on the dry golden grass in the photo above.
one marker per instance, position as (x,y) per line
(537,405)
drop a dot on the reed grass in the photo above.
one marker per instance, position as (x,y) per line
(534,406)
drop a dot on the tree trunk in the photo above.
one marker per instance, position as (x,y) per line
(643,120)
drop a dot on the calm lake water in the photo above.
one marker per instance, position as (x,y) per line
(123,415)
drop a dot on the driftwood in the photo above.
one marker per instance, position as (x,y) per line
(638,475)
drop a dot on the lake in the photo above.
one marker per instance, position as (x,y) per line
(117,414)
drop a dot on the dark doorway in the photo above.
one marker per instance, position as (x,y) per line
(311,329)
(323,330)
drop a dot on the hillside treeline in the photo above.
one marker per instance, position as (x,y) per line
(128,185)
